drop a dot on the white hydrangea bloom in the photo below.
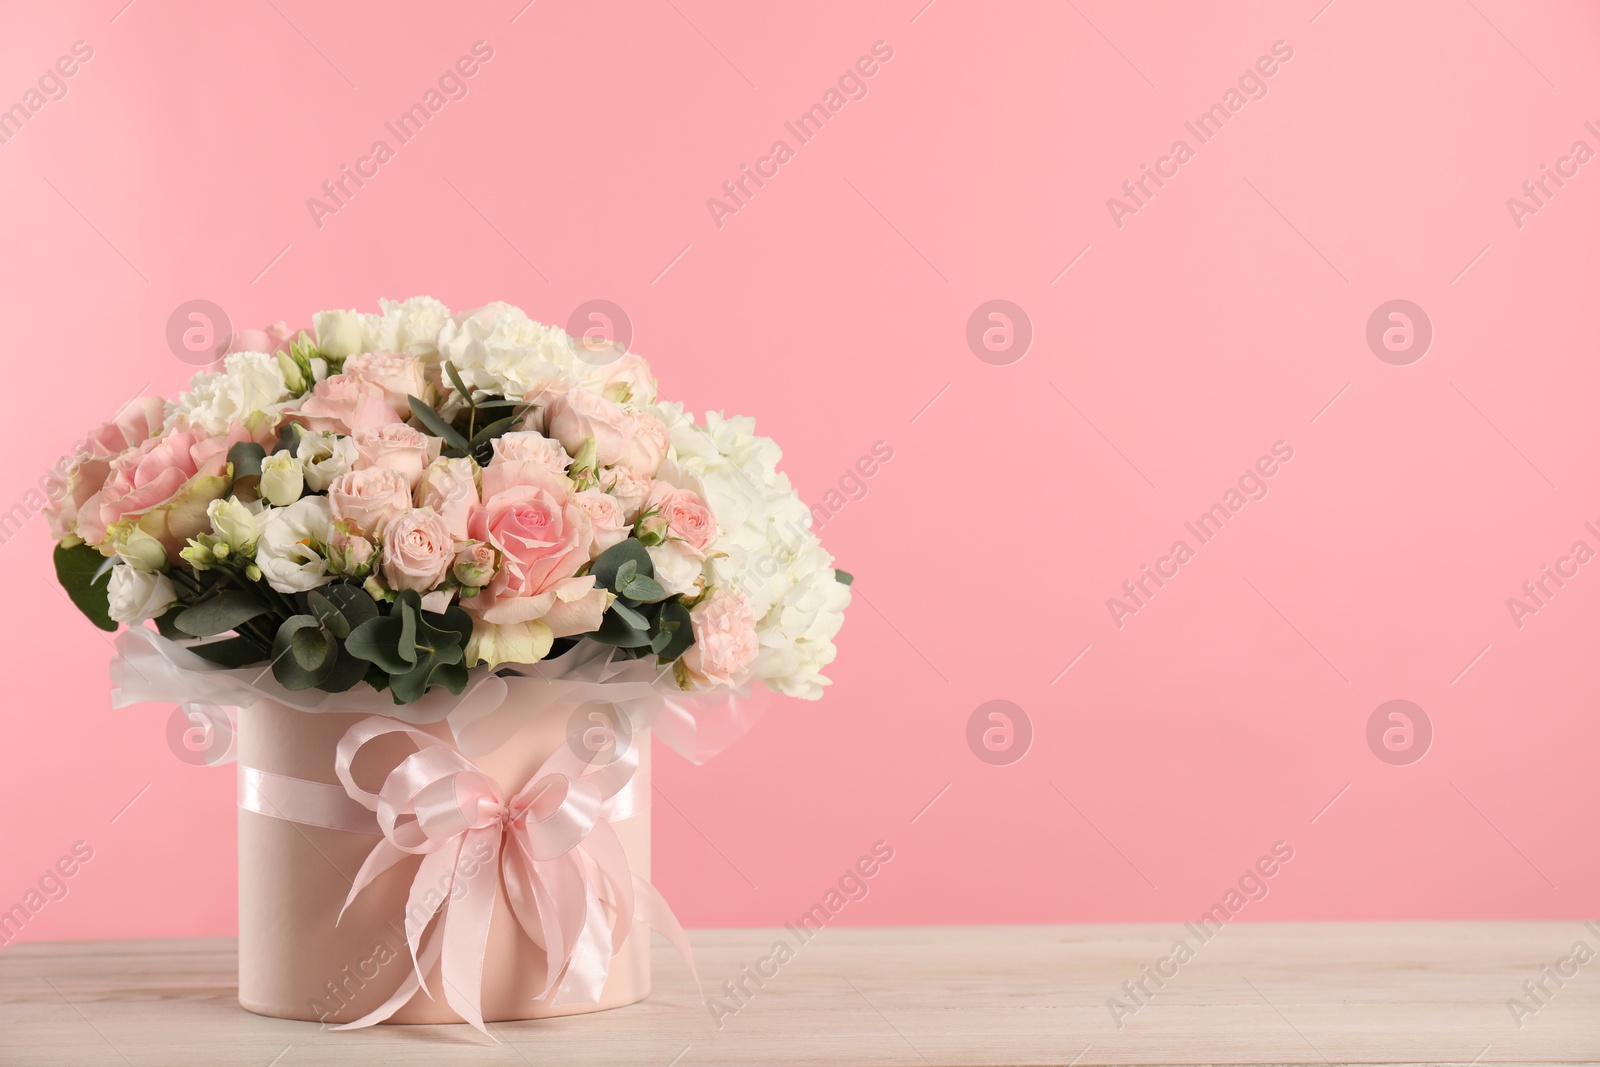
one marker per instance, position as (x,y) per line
(249,388)
(764,531)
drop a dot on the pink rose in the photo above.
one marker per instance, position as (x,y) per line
(617,373)
(342,404)
(543,537)
(629,487)
(647,442)
(474,564)
(528,445)
(368,499)
(682,517)
(350,554)
(397,447)
(417,550)
(164,484)
(725,642)
(399,376)
(269,339)
(605,516)
(578,415)
(450,488)
(78,477)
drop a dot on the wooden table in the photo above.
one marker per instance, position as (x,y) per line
(1263,993)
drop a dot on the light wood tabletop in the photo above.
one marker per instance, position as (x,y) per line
(1265,993)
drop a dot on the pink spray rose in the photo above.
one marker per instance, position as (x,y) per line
(344,404)
(685,518)
(164,485)
(605,515)
(450,487)
(526,445)
(399,376)
(417,550)
(647,442)
(369,499)
(543,537)
(474,564)
(725,642)
(629,487)
(578,415)
(268,339)
(397,447)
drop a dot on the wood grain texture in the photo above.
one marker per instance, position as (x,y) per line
(1257,994)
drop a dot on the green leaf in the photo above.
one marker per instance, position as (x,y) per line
(311,648)
(288,437)
(610,562)
(843,577)
(630,616)
(615,631)
(231,651)
(227,610)
(461,387)
(378,642)
(643,589)
(626,572)
(287,666)
(78,571)
(673,620)
(351,601)
(246,457)
(437,426)
(347,671)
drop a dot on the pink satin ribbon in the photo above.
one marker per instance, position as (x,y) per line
(560,860)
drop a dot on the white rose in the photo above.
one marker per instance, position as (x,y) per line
(292,541)
(338,332)
(233,524)
(677,569)
(325,456)
(136,595)
(282,480)
(249,389)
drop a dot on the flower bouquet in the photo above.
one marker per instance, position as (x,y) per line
(456,541)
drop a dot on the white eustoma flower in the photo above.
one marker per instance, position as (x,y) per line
(324,456)
(135,595)
(249,389)
(290,551)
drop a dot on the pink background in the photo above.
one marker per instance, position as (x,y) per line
(1224,316)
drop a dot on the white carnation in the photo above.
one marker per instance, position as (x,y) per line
(249,389)
(417,324)
(499,351)
(292,543)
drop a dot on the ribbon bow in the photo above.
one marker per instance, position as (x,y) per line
(558,856)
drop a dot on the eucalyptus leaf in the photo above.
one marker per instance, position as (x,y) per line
(287,666)
(437,425)
(674,621)
(226,610)
(231,651)
(611,560)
